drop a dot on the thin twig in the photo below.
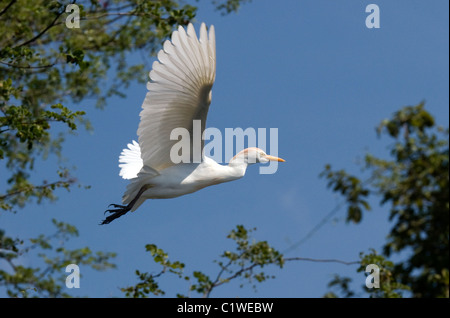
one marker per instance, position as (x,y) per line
(322,222)
(37,36)
(315,228)
(7,7)
(216,281)
(321,260)
(17,192)
(27,66)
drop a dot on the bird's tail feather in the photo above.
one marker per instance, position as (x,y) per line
(130,161)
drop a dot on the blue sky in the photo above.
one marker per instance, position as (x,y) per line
(313,70)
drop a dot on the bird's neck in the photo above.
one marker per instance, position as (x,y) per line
(238,167)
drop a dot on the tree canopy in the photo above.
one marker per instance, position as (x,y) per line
(413,186)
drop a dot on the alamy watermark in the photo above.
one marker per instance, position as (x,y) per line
(73,19)
(373,19)
(73,279)
(188,149)
(373,279)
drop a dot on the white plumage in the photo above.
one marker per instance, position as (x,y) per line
(179,92)
(130,161)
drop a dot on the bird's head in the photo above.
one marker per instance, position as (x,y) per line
(254,155)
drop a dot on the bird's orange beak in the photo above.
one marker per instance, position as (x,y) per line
(272,158)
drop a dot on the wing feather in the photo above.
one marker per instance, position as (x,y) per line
(179,91)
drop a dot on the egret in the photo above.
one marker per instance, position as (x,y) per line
(179,93)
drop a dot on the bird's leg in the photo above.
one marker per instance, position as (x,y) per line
(123,209)
(116,213)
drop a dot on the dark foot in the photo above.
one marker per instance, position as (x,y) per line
(116,213)
(116,206)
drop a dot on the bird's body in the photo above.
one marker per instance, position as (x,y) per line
(179,93)
(186,178)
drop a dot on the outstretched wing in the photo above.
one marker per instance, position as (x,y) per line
(179,92)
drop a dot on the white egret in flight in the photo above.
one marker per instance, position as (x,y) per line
(179,92)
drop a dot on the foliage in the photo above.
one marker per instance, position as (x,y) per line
(415,186)
(46,281)
(245,262)
(147,282)
(229,5)
(389,287)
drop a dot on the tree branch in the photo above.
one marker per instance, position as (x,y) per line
(27,66)
(7,7)
(37,36)
(322,260)
(324,221)
(44,186)
(217,283)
